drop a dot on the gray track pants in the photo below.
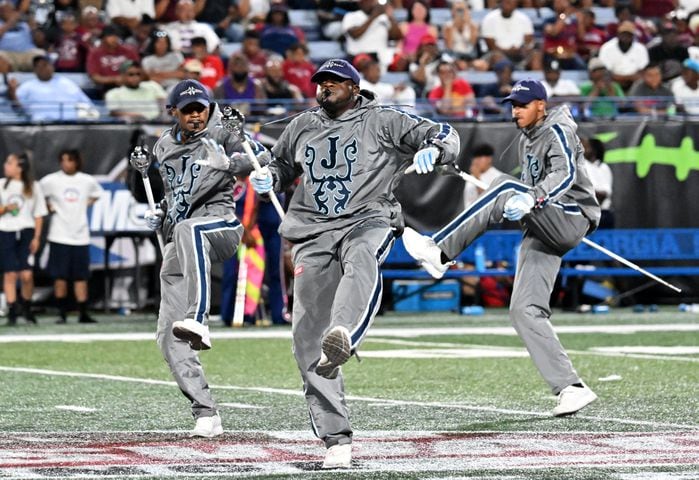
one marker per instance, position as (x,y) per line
(549,233)
(337,282)
(185,281)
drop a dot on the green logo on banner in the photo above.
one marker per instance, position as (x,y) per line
(684,158)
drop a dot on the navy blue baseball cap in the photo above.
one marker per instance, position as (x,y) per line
(338,67)
(526,91)
(188,91)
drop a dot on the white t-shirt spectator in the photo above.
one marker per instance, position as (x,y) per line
(387,94)
(507,32)
(471,192)
(374,40)
(601,177)
(685,96)
(623,63)
(29,208)
(181,35)
(563,88)
(69,196)
(130,8)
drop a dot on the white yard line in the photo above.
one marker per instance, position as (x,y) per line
(375,332)
(297,393)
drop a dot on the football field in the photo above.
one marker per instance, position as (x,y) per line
(437,396)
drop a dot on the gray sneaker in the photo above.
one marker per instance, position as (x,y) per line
(336,350)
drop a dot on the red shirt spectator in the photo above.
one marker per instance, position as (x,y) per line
(453,94)
(212,66)
(298,70)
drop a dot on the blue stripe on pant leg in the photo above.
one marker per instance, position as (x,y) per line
(484,201)
(375,300)
(198,231)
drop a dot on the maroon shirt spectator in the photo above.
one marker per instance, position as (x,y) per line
(593,36)
(90,28)
(298,70)
(103,61)
(257,58)
(69,46)
(653,8)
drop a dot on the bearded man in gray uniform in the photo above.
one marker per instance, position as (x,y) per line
(342,221)
(556,203)
(197,160)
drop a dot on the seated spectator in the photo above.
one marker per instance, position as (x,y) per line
(239,85)
(161,64)
(277,34)
(503,83)
(417,26)
(277,88)
(590,35)
(137,99)
(17,48)
(669,53)
(90,27)
(555,85)
(211,65)
(252,49)
(298,70)
(561,36)
(599,87)
(651,85)
(453,96)
(369,30)
(509,33)
(51,97)
(71,50)
(186,28)
(224,17)
(386,93)
(686,88)
(461,35)
(103,61)
(330,14)
(140,37)
(482,168)
(127,14)
(645,29)
(623,56)
(423,72)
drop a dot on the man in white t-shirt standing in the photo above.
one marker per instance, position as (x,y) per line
(624,56)
(68,194)
(369,29)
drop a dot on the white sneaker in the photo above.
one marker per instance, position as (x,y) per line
(571,399)
(338,456)
(208,427)
(423,249)
(189,330)
(336,350)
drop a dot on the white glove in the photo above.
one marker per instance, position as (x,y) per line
(517,206)
(154,218)
(262,182)
(425,158)
(215,155)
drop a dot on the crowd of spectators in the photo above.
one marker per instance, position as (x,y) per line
(131,52)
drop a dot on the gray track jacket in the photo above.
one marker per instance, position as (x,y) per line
(193,190)
(552,162)
(350,164)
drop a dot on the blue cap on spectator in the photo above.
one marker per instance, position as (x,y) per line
(526,91)
(188,91)
(691,64)
(338,67)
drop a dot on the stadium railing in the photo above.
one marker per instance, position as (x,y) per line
(481,110)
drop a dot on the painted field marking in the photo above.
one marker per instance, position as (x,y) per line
(297,393)
(405,332)
(135,455)
(75,408)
